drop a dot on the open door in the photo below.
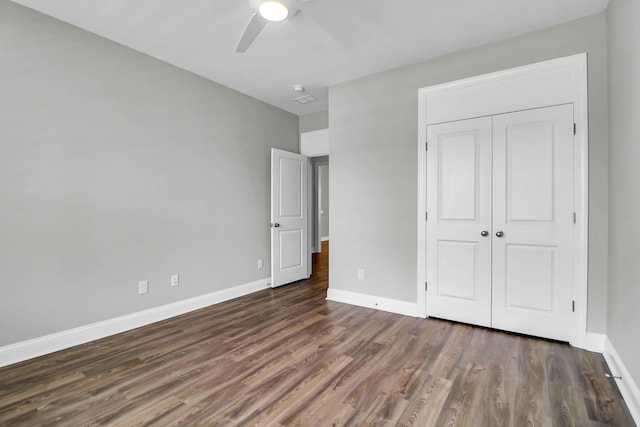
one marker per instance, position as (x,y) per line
(289,251)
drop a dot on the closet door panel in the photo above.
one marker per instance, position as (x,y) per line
(459,209)
(533,222)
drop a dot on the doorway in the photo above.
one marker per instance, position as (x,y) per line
(321,200)
(315,145)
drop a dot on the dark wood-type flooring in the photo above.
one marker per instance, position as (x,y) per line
(288,357)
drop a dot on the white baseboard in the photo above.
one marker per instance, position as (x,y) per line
(627,385)
(25,350)
(324,239)
(595,342)
(370,301)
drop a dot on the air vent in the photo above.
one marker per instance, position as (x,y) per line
(306,99)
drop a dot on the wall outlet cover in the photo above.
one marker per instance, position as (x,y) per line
(143,287)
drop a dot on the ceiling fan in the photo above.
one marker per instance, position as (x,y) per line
(265,11)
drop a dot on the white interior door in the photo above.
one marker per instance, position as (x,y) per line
(289,236)
(459,221)
(533,222)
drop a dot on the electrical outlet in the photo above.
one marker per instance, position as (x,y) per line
(361,274)
(260,263)
(143,287)
(175,280)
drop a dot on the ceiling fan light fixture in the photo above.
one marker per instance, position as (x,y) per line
(273,10)
(265,11)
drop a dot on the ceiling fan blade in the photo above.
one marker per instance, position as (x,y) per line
(255,25)
(316,31)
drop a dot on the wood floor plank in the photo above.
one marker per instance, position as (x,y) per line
(426,405)
(288,357)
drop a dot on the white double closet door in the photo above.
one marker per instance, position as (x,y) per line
(500,221)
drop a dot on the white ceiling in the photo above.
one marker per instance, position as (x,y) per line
(328,42)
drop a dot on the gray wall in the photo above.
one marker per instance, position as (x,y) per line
(374,166)
(623,35)
(314,121)
(115,168)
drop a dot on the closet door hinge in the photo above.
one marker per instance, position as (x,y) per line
(575,217)
(425,286)
(573,306)
(426,216)
(426,146)
(574,128)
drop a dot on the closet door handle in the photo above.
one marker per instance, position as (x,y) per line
(499,234)
(484,233)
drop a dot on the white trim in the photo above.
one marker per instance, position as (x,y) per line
(317,219)
(324,239)
(25,350)
(318,215)
(527,87)
(422,204)
(581,201)
(370,301)
(595,342)
(315,143)
(311,218)
(628,388)
(573,67)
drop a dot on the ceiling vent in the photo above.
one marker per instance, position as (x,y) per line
(306,99)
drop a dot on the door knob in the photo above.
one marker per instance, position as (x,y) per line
(499,234)
(276,225)
(484,233)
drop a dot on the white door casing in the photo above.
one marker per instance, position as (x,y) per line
(323,202)
(533,214)
(554,82)
(459,207)
(289,235)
